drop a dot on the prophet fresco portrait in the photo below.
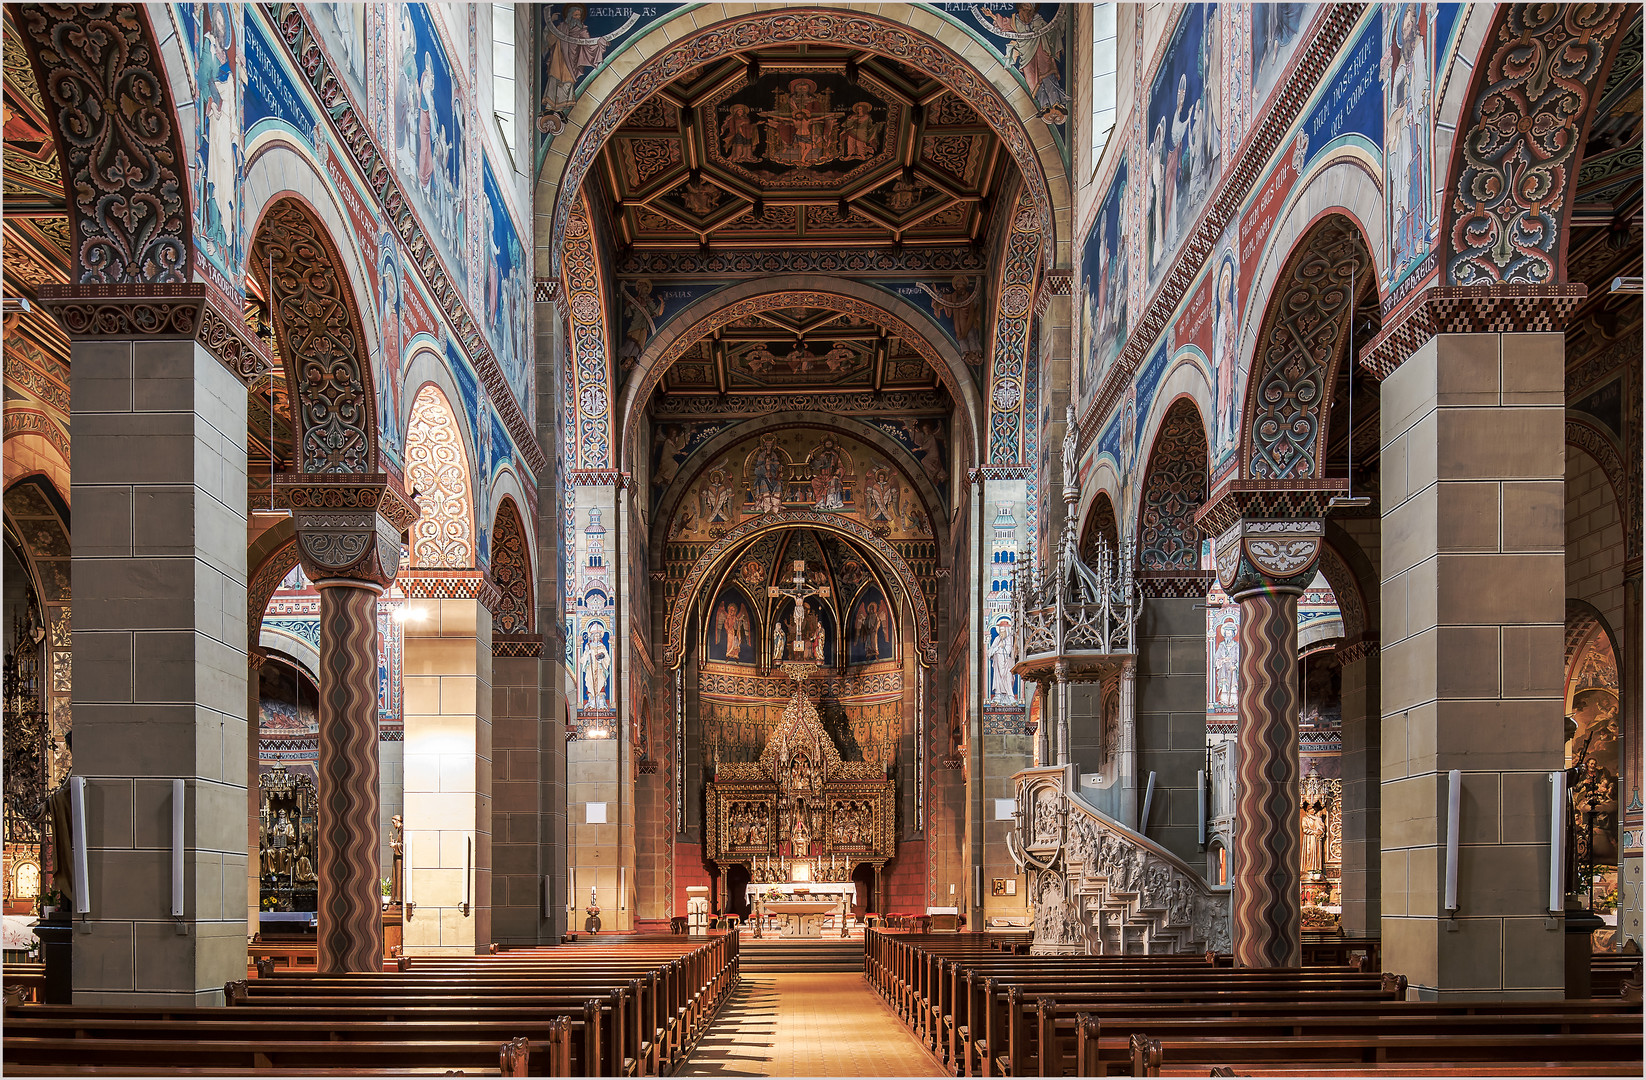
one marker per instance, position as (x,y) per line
(218,156)
(1182,143)
(872,634)
(1033,38)
(1276,29)
(1407,131)
(575,42)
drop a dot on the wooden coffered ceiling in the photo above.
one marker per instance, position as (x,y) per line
(812,146)
(801,350)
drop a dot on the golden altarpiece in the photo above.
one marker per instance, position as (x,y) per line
(801,819)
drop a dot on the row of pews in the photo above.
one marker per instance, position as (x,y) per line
(606,1006)
(984,1008)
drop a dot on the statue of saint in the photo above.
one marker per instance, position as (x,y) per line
(283,839)
(1314,842)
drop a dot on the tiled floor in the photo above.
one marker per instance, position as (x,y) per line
(808,1025)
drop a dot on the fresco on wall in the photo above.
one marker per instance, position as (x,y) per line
(813,639)
(1182,140)
(575,39)
(342,31)
(1033,39)
(389,285)
(429,116)
(270,92)
(800,469)
(733,627)
(1276,30)
(220,69)
(672,444)
(955,304)
(1408,102)
(1103,284)
(1228,373)
(594,665)
(872,636)
(507,295)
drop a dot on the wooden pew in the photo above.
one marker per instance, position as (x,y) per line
(1461,1055)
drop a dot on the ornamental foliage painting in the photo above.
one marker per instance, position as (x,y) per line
(438,471)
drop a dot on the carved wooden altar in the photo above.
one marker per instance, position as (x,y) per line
(800,805)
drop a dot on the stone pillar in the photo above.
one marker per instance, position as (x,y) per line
(349,532)
(1171,707)
(1362,726)
(255,659)
(448,759)
(1473,608)
(159,629)
(1267,544)
(1629,914)
(518,913)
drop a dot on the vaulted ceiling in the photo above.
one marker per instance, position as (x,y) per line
(799,349)
(810,145)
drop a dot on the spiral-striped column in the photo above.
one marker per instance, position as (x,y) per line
(1267,924)
(351,932)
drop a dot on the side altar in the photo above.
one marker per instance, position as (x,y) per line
(800,816)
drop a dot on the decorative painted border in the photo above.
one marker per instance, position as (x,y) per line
(517,646)
(421,584)
(170,312)
(1451,309)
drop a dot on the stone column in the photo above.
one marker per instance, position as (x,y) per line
(1473,607)
(1362,727)
(158,621)
(448,759)
(349,532)
(1267,544)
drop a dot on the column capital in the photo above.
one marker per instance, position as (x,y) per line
(425,583)
(349,525)
(1478,309)
(187,311)
(1267,537)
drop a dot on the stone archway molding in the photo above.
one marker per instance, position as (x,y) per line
(666,52)
(799,290)
(704,569)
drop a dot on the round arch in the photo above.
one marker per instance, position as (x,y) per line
(505,484)
(439,466)
(797,290)
(1185,378)
(741,432)
(269,559)
(515,611)
(1295,348)
(651,61)
(706,569)
(1175,483)
(318,319)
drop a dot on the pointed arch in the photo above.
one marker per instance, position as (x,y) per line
(516,609)
(1174,488)
(437,469)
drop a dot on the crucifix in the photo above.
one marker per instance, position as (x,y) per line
(799,591)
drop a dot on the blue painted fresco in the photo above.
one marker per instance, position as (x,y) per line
(1276,30)
(1448,17)
(1353,102)
(1103,284)
(871,636)
(647,307)
(1409,154)
(507,295)
(672,445)
(733,626)
(428,134)
(342,30)
(220,69)
(1181,140)
(1147,382)
(270,93)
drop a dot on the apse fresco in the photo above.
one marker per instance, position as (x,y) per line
(814,631)
(871,632)
(430,112)
(800,469)
(341,28)
(1592,748)
(1182,143)
(733,627)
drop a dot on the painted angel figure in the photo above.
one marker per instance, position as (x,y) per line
(716,498)
(1036,47)
(572,50)
(960,303)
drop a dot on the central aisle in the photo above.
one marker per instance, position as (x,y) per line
(807,1024)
